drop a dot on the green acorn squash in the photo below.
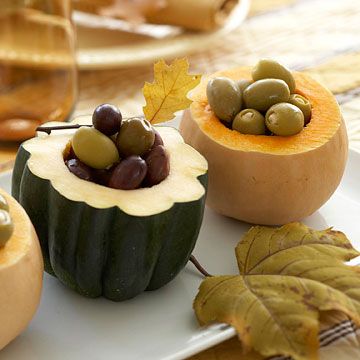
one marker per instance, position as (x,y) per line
(105,242)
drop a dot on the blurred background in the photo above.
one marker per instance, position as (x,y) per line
(61,58)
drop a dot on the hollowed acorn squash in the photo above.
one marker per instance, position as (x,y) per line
(270,180)
(102,241)
(21,273)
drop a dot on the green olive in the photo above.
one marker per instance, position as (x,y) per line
(249,121)
(303,104)
(271,69)
(262,94)
(3,203)
(6,227)
(136,137)
(284,119)
(224,97)
(94,149)
(243,84)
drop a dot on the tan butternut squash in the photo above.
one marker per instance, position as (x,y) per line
(270,180)
(21,273)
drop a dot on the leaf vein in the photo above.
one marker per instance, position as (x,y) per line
(270,313)
(289,248)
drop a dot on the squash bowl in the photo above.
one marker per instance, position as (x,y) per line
(106,242)
(270,180)
(21,274)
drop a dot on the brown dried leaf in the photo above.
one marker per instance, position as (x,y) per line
(288,276)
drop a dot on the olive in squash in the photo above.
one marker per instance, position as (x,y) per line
(94,149)
(243,84)
(284,119)
(271,69)
(158,166)
(303,104)
(158,140)
(129,174)
(136,137)
(107,119)
(263,94)
(249,121)
(224,97)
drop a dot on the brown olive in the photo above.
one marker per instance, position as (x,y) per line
(79,169)
(70,154)
(158,140)
(129,174)
(136,137)
(102,176)
(107,119)
(158,163)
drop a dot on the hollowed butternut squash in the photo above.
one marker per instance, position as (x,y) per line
(270,180)
(21,273)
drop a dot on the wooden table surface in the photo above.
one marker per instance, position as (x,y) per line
(320,37)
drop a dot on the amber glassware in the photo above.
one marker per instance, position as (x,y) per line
(38,76)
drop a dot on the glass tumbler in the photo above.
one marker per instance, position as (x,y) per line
(38,75)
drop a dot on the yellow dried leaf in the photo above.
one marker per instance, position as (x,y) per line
(168,93)
(288,276)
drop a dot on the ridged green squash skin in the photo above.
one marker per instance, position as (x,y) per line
(106,252)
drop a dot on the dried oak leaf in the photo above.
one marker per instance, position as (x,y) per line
(288,276)
(168,93)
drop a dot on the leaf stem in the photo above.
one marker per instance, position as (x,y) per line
(199,266)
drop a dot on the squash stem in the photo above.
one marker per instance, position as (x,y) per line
(49,129)
(199,266)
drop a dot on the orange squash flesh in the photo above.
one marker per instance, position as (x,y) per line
(21,273)
(270,180)
(324,123)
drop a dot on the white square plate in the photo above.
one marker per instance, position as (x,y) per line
(159,325)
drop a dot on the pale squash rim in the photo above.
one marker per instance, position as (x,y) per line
(182,185)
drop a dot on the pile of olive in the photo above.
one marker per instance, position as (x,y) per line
(267,104)
(121,154)
(6,224)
